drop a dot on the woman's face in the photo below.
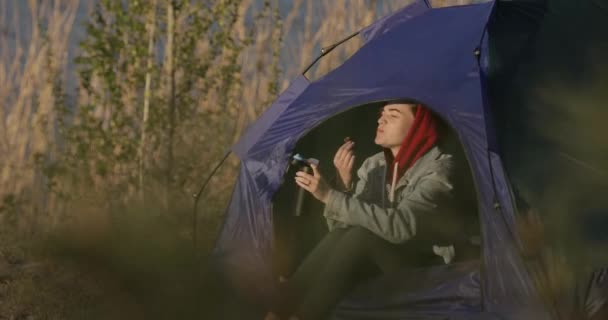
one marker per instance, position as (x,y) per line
(393,125)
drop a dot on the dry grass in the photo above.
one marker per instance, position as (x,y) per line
(29,64)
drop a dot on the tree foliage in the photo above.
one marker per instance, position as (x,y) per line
(193,108)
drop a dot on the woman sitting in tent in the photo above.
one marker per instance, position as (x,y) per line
(402,213)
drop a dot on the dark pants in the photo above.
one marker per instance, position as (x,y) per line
(342,259)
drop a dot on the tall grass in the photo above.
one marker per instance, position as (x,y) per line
(33,60)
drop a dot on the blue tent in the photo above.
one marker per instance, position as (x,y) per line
(440,57)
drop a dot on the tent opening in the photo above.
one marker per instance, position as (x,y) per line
(296,235)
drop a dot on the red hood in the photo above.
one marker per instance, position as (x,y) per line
(421,137)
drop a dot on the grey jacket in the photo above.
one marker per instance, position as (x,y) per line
(423,201)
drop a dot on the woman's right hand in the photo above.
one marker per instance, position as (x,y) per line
(343,161)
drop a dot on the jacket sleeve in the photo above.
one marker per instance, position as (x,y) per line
(361,192)
(398,224)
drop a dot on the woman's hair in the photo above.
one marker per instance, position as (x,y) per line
(442,127)
(414,103)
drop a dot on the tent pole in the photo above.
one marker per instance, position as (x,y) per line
(328,49)
(197,197)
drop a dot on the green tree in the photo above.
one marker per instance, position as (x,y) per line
(159,97)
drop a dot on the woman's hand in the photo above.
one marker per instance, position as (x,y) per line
(314,183)
(343,161)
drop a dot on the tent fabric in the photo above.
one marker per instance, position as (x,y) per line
(430,58)
(418,53)
(453,289)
